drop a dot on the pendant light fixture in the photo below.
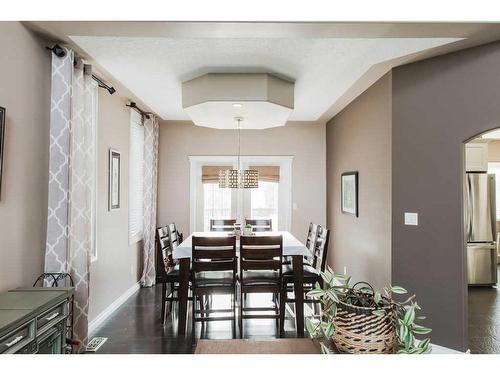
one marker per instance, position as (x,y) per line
(239,178)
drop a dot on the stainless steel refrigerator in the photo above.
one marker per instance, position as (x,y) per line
(481,229)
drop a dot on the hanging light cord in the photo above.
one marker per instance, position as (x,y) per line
(239,143)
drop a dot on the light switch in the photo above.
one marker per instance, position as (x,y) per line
(411,218)
(294,206)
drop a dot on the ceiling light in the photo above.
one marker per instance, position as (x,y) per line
(237,105)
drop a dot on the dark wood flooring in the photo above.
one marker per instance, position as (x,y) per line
(135,327)
(484,319)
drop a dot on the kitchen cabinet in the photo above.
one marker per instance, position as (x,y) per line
(476,157)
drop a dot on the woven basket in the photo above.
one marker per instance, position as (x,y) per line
(359,331)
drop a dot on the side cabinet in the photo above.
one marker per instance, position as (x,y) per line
(476,157)
(34,320)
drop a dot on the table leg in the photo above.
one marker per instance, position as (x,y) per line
(183,294)
(298,289)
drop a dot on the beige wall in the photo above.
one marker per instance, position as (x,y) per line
(359,139)
(24,92)
(306,141)
(118,265)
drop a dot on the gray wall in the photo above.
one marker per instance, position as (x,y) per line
(25,93)
(437,105)
(306,141)
(359,139)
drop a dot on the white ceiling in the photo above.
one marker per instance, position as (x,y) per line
(323,69)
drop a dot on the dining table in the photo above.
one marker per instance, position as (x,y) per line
(292,247)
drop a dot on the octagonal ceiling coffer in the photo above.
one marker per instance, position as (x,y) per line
(215,99)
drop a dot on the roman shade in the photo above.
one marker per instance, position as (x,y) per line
(210,173)
(268,173)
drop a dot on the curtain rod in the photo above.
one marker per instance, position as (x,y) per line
(143,113)
(60,52)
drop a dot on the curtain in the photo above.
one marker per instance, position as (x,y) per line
(150,197)
(269,173)
(210,173)
(71,181)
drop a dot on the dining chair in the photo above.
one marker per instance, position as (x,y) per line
(215,270)
(261,272)
(311,271)
(174,235)
(260,225)
(168,273)
(222,225)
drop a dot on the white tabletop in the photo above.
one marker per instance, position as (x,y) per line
(291,245)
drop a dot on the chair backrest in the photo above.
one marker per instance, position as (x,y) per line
(321,248)
(260,225)
(222,225)
(174,236)
(262,253)
(214,254)
(163,251)
(312,234)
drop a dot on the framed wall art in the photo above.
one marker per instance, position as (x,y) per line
(349,193)
(114,180)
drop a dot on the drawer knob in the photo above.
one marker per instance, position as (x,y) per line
(49,318)
(15,341)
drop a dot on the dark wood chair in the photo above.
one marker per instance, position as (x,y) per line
(260,225)
(261,260)
(222,225)
(167,273)
(215,270)
(312,271)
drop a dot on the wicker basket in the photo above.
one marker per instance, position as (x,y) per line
(359,331)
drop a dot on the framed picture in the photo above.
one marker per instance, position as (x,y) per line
(2,143)
(349,193)
(114,180)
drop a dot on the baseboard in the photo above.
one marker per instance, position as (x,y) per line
(112,308)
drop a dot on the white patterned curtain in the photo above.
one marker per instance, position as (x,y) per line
(150,186)
(71,182)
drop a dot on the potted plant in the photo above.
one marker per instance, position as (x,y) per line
(247,230)
(360,320)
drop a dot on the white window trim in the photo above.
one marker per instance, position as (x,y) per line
(133,238)
(195,189)
(94,223)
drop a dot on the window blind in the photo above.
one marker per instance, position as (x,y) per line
(210,173)
(136,177)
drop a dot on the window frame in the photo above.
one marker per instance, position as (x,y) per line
(135,236)
(95,196)
(196,189)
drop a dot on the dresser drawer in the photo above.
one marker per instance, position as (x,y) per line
(51,317)
(18,338)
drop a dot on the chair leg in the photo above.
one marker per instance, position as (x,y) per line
(277,311)
(233,301)
(282,311)
(240,318)
(193,333)
(171,303)
(163,300)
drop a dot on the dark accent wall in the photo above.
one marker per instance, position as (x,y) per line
(437,105)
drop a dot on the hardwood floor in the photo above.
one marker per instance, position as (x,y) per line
(135,327)
(484,320)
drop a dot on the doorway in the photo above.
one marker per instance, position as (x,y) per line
(482,224)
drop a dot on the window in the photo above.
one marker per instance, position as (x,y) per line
(217,203)
(136,188)
(494,168)
(272,200)
(93,210)
(264,202)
